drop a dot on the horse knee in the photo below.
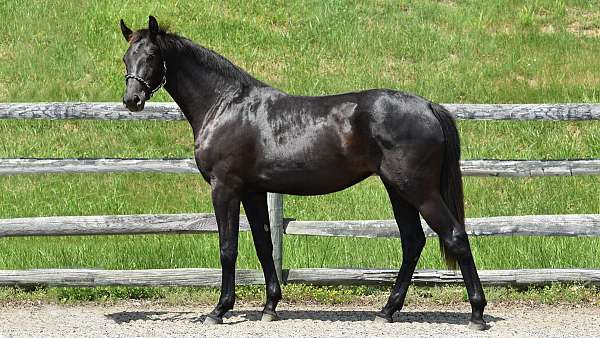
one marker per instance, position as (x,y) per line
(228,257)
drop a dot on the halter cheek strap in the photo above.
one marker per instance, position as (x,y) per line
(146,84)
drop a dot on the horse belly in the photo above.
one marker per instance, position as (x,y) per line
(315,177)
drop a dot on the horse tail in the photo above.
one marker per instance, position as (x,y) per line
(451,187)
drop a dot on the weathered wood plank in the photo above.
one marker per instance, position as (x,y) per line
(111,225)
(530,168)
(89,110)
(553,112)
(168,111)
(153,277)
(20,166)
(427,277)
(535,225)
(321,276)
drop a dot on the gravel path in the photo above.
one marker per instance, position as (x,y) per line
(143,320)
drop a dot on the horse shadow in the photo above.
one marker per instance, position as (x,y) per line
(432,317)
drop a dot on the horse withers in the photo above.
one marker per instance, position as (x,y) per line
(251,138)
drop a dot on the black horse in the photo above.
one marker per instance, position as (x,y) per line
(251,138)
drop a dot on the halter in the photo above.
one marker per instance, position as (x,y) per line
(146,84)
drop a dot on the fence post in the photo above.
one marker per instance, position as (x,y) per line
(275,203)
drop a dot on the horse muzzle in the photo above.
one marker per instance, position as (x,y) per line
(134,102)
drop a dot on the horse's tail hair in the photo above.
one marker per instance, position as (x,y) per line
(451,178)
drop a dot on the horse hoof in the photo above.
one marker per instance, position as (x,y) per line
(380,319)
(213,320)
(478,326)
(269,317)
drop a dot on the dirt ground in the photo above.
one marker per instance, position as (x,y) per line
(136,319)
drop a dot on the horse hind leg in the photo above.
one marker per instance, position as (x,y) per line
(413,241)
(415,178)
(454,237)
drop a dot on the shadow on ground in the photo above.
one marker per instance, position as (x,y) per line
(434,317)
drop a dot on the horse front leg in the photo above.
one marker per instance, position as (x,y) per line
(226,203)
(255,205)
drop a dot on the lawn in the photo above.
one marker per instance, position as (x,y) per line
(448,51)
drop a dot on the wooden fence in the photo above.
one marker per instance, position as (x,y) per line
(538,225)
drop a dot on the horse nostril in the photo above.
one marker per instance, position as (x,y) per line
(136,99)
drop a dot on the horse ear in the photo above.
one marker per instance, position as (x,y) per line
(152,25)
(125,30)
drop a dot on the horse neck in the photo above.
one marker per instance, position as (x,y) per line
(196,89)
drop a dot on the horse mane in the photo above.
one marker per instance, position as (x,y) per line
(172,43)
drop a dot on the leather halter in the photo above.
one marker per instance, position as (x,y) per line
(146,84)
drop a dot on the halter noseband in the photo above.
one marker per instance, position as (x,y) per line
(146,84)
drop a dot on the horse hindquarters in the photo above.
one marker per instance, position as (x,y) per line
(450,209)
(424,170)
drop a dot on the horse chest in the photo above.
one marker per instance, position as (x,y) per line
(205,158)
(215,150)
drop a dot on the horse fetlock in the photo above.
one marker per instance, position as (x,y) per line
(225,304)
(478,304)
(477,298)
(228,304)
(383,318)
(394,304)
(271,304)
(274,292)
(478,301)
(213,320)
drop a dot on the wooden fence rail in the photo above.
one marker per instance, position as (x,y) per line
(519,168)
(170,112)
(318,276)
(538,225)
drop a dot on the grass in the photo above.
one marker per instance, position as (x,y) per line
(448,51)
(468,51)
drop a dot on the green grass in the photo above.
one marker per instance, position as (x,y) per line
(448,51)
(467,51)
